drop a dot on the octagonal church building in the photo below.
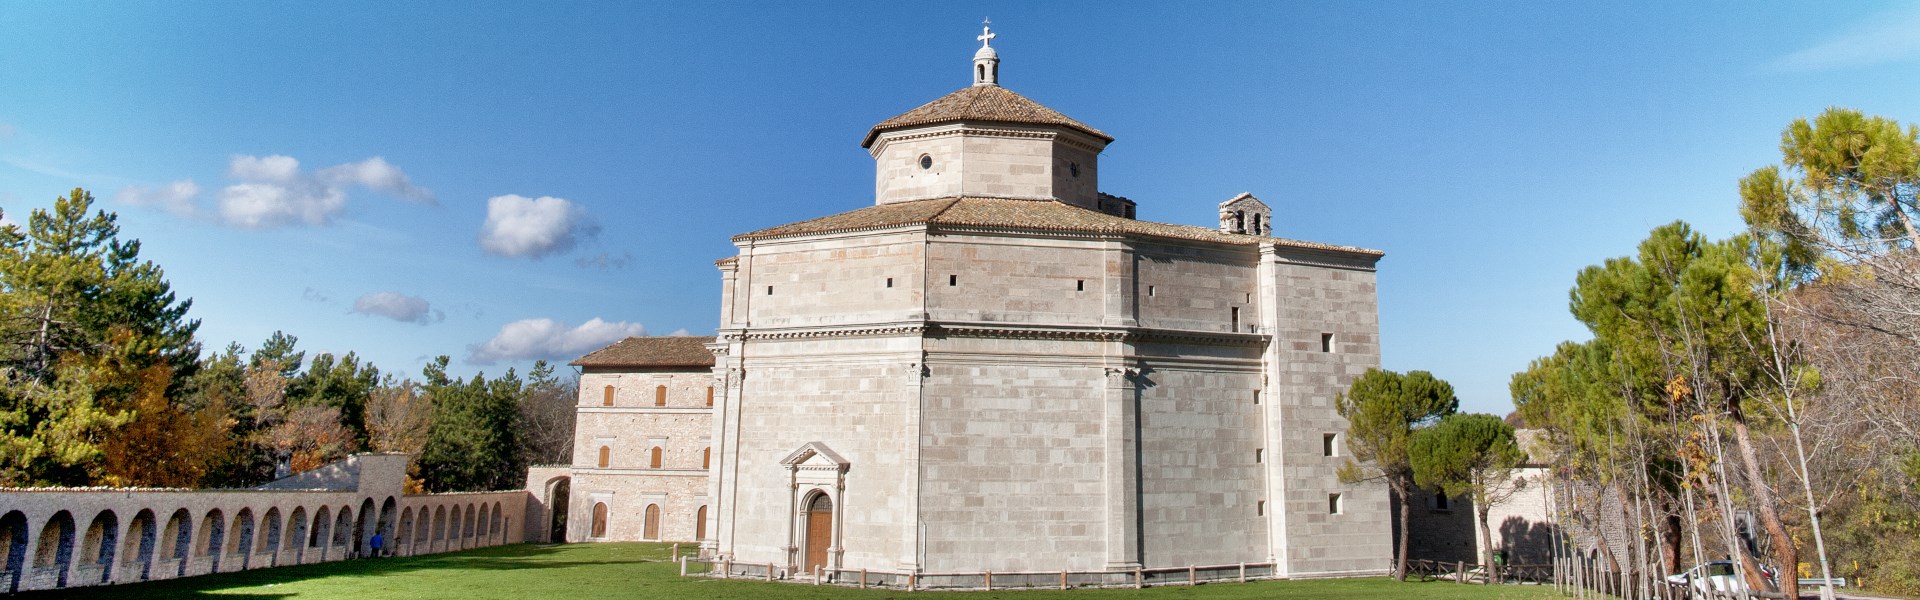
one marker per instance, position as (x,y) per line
(996,367)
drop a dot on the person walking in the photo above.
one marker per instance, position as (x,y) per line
(377,541)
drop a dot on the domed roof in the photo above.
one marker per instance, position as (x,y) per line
(981,103)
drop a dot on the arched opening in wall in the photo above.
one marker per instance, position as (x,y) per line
(653,457)
(439,523)
(385,526)
(979,73)
(652,530)
(364,524)
(606,456)
(706,458)
(322,528)
(241,539)
(342,531)
(453,527)
(56,545)
(297,533)
(480,530)
(819,530)
(468,528)
(1256,224)
(599,529)
(142,535)
(406,535)
(557,509)
(100,542)
(271,541)
(13,533)
(178,536)
(497,526)
(213,533)
(606,396)
(700,524)
(422,533)
(1239,221)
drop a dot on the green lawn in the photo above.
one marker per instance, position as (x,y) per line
(640,571)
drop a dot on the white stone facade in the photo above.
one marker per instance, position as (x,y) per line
(953,382)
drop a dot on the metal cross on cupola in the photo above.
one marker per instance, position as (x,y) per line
(986,62)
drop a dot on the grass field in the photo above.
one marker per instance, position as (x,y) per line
(643,571)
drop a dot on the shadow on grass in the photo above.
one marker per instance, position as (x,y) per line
(517,557)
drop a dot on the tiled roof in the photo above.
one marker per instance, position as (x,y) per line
(981,103)
(1032,215)
(654,351)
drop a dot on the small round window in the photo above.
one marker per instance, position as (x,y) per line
(1073,169)
(926,162)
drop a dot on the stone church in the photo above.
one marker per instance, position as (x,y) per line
(996,367)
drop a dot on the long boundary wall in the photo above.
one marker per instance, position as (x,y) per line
(53,538)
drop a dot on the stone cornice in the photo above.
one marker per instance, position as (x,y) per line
(1012,332)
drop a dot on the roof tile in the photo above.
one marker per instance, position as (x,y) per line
(652,351)
(981,103)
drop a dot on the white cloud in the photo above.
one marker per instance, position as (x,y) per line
(378,175)
(399,307)
(176,197)
(1885,38)
(274,192)
(533,228)
(547,339)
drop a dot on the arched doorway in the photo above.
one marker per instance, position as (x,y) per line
(599,529)
(819,531)
(652,530)
(557,509)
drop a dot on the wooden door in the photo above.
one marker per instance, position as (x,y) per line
(819,532)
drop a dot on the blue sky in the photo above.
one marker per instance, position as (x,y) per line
(503,182)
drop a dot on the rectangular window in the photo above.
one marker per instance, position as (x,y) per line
(660,396)
(1256,397)
(1149,290)
(953,280)
(1080,285)
(606,398)
(1326,342)
(1328,442)
(1236,319)
(1256,454)
(889,282)
(1440,502)
(709,396)
(1333,504)
(1259,508)
(769,290)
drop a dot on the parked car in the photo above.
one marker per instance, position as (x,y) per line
(1720,578)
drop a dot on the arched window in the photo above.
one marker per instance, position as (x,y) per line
(1239,221)
(606,397)
(599,520)
(652,531)
(606,456)
(709,396)
(654,458)
(1256,224)
(706,458)
(660,395)
(980,73)
(700,524)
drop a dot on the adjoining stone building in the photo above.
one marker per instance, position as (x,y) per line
(641,449)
